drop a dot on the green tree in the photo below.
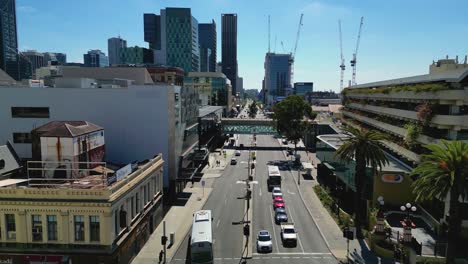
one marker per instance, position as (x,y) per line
(291,116)
(253,109)
(363,147)
(444,172)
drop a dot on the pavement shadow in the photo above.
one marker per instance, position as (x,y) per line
(182,199)
(367,256)
(188,259)
(307,177)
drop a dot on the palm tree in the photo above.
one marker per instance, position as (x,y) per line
(444,172)
(363,147)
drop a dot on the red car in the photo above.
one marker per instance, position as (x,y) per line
(278,204)
(278,198)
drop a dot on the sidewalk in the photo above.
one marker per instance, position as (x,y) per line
(179,218)
(330,231)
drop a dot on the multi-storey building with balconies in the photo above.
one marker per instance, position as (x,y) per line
(413,112)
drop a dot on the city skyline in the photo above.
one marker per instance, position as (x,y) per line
(396,41)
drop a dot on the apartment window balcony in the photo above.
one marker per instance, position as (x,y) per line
(455,122)
(451,97)
(394,130)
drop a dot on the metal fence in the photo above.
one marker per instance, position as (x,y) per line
(429,249)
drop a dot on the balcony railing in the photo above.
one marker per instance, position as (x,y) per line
(441,121)
(395,130)
(457,97)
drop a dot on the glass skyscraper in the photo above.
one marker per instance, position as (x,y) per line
(207,41)
(277,76)
(229,48)
(95,58)
(9,59)
(174,37)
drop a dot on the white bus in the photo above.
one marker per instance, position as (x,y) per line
(201,243)
(274,177)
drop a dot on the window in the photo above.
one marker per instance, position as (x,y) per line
(10,226)
(36,227)
(79,227)
(51,227)
(94,228)
(30,112)
(22,137)
(132,207)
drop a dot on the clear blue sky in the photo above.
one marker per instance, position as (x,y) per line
(400,37)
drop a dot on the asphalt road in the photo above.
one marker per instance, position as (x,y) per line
(226,208)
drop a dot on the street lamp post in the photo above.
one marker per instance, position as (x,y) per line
(407,223)
(380,226)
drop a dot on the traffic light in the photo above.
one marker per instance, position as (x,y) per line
(249,194)
(163,240)
(347,233)
(246,230)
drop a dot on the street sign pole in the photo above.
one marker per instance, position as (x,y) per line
(164,234)
(203,188)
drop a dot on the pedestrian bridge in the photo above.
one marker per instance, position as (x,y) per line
(248,126)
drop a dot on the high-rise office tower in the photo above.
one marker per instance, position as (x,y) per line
(36,59)
(207,41)
(9,59)
(95,58)
(174,36)
(229,48)
(55,58)
(114,49)
(277,76)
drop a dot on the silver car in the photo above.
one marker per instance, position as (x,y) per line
(264,242)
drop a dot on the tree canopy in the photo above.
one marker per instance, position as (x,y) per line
(291,115)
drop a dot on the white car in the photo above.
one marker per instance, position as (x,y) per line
(276,192)
(238,153)
(264,242)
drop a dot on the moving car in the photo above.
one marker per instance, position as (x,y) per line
(278,204)
(233,161)
(288,234)
(276,192)
(278,198)
(280,216)
(264,242)
(285,141)
(238,153)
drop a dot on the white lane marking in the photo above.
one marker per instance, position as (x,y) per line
(298,238)
(225,201)
(274,232)
(214,240)
(217,224)
(275,257)
(260,191)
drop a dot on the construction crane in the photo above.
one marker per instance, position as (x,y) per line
(282,45)
(354,60)
(342,65)
(293,53)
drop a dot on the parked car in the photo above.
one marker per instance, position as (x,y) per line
(233,161)
(238,153)
(264,242)
(285,141)
(276,192)
(241,146)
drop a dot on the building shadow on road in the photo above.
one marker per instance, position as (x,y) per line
(182,199)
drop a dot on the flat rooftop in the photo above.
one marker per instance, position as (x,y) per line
(336,140)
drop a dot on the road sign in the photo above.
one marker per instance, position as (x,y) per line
(203,183)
